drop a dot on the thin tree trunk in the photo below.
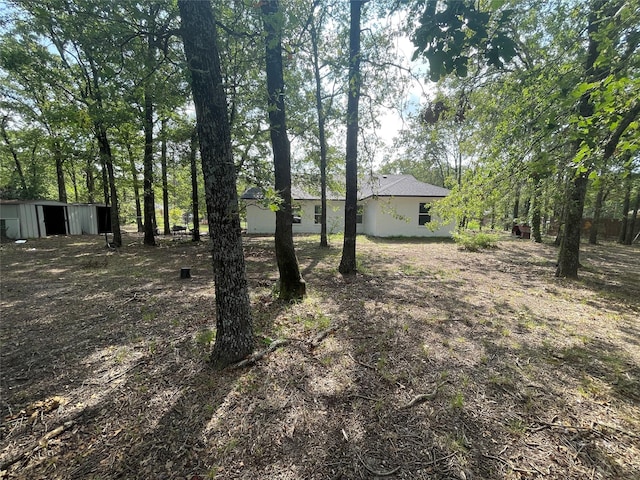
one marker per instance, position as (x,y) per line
(194,186)
(90,179)
(597,212)
(348,261)
(321,138)
(536,203)
(57,154)
(14,154)
(136,188)
(165,182)
(107,160)
(292,286)
(234,334)
(626,205)
(632,223)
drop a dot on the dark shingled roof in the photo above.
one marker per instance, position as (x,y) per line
(373,186)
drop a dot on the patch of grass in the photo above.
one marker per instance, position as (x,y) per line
(474,242)
(457,401)
(205,337)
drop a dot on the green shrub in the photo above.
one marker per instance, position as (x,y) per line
(474,242)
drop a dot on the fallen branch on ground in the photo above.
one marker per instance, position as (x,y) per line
(42,443)
(424,396)
(315,341)
(252,359)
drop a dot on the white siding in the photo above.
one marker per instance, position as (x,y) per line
(398,216)
(382,217)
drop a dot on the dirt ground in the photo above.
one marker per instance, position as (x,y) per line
(439,364)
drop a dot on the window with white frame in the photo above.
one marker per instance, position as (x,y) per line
(424,216)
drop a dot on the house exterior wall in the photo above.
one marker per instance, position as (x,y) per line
(261,220)
(398,216)
(382,217)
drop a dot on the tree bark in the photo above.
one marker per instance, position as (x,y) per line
(149,197)
(569,257)
(292,286)
(194,186)
(348,262)
(631,229)
(234,334)
(165,181)
(536,204)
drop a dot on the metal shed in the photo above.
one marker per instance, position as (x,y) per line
(41,218)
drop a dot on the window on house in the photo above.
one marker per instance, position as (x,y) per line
(359,213)
(317,214)
(424,216)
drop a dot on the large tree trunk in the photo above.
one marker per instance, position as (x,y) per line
(149,200)
(149,197)
(194,186)
(165,181)
(292,286)
(348,261)
(234,334)
(321,138)
(569,257)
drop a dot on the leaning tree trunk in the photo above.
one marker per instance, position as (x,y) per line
(292,286)
(234,334)
(348,262)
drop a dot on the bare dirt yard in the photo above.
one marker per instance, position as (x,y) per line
(436,363)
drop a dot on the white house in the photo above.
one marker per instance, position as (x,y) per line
(40,218)
(388,205)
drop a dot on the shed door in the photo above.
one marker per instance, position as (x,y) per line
(54,219)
